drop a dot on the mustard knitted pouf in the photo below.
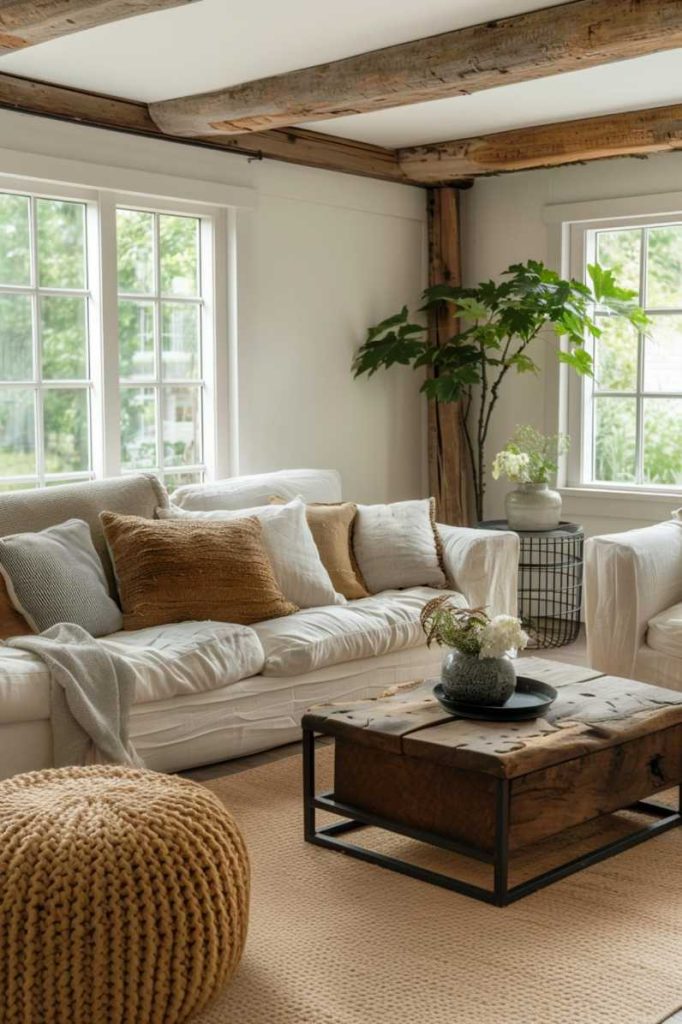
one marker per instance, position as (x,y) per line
(123,897)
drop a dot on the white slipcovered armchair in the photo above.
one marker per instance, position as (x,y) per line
(633,604)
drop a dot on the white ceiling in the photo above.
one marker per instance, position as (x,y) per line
(629,85)
(215,43)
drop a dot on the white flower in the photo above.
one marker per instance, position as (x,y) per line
(501,635)
(513,465)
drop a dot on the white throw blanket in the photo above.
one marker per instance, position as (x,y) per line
(91,693)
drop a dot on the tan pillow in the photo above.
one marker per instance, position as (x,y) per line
(332,530)
(192,570)
(12,622)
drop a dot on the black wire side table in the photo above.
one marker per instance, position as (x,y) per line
(550,582)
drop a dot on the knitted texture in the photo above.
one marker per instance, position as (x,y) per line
(123,897)
(192,570)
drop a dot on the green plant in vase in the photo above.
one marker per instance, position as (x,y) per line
(494,328)
(476,668)
(530,460)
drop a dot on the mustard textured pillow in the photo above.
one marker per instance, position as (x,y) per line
(192,570)
(332,530)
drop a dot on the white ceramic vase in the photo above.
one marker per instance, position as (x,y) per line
(533,507)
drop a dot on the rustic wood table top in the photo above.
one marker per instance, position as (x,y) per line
(592,712)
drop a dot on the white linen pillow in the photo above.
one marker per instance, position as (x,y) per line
(296,562)
(398,546)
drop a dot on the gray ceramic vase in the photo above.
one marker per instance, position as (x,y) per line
(473,680)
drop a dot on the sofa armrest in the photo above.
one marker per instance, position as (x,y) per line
(483,566)
(629,578)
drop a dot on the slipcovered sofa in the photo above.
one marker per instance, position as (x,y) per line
(213,690)
(633,604)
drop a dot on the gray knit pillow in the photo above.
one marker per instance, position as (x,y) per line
(56,576)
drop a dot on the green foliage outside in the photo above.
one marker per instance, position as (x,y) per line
(617,362)
(62,264)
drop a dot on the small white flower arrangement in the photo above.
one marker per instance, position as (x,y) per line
(514,465)
(501,635)
(530,457)
(471,631)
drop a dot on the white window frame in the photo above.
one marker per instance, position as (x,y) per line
(206,335)
(218,325)
(571,228)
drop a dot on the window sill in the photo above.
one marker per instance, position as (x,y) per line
(621,503)
(621,493)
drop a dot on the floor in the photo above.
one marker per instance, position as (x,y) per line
(575,654)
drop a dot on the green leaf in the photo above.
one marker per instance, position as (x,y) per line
(605,287)
(579,359)
(386,325)
(471,309)
(523,363)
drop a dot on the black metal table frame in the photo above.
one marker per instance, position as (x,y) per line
(501,895)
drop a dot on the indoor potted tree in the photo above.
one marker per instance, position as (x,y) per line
(494,327)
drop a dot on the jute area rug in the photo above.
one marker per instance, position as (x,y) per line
(335,941)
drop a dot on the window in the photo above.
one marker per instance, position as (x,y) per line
(45,381)
(632,409)
(108,326)
(160,350)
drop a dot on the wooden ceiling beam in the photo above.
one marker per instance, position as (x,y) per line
(570,37)
(633,133)
(295,146)
(28,22)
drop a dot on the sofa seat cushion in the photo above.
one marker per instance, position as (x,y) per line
(665,632)
(175,660)
(318,637)
(188,657)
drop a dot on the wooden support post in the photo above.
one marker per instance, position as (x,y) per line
(449,469)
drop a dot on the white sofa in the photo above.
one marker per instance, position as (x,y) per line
(633,604)
(214,691)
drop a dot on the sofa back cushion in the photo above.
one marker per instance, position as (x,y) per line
(241,492)
(31,511)
(192,570)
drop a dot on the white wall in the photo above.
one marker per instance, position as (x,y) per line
(502,223)
(324,256)
(320,257)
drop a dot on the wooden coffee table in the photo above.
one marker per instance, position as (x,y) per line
(485,789)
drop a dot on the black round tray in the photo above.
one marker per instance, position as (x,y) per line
(530,699)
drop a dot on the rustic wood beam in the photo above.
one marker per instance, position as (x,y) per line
(295,145)
(573,36)
(448,459)
(459,162)
(636,132)
(28,22)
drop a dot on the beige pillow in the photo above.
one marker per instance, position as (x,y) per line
(12,622)
(332,530)
(192,570)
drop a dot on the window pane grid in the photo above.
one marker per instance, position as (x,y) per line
(154,390)
(54,325)
(52,384)
(634,430)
